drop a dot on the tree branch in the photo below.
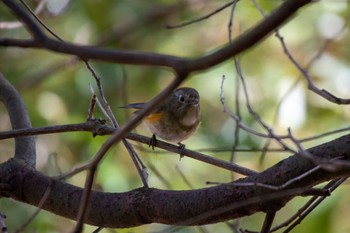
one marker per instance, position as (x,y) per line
(147,205)
(24,146)
(98,127)
(181,65)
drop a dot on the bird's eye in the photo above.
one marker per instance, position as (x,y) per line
(181,98)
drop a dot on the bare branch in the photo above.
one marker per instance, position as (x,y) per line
(331,186)
(98,127)
(24,146)
(304,71)
(201,18)
(324,134)
(181,65)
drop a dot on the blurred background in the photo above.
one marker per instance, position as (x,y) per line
(55,88)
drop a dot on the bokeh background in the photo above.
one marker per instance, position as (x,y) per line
(55,88)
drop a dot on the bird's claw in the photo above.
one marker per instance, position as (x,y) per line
(153,142)
(182,148)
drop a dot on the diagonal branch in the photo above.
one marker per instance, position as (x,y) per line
(181,65)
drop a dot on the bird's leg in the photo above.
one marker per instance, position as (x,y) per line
(153,141)
(182,149)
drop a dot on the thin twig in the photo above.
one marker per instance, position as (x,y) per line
(91,108)
(304,71)
(184,178)
(238,120)
(107,111)
(98,127)
(237,205)
(327,164)
(290,57)
(237,88)
(230,24)
(160,176)
(302,216)
(324,134)
(201,18)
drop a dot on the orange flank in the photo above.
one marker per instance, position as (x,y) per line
(154,117)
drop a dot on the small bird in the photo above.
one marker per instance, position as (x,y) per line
(176,119)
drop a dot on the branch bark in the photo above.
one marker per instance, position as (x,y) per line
(24,146)
(150,205)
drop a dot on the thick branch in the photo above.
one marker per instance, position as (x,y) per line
(24,146)
(142,206)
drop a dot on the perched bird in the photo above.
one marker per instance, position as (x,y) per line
(176,119)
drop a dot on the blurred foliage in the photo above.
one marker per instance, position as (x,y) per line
(55,90)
